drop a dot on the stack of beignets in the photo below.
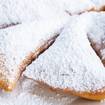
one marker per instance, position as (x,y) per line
(65,39)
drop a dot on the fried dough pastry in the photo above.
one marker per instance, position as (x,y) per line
(71,64)
(21,44)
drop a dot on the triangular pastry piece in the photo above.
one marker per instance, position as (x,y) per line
(21,44)
(71,64)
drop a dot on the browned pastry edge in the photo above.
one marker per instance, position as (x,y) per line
(93,9)
(91,95)
(97,95)
(79,13)
(9,86)
(102,8)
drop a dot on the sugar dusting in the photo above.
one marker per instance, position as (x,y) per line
(28,92)
(96,33)
(67,63)
(19,41)
(71,62)
(20,11)
(78,6)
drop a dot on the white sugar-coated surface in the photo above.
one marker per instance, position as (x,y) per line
(71,62)
(18,41)
(28,92)
(98,3)
(75,6)
(97,32)
(18,11)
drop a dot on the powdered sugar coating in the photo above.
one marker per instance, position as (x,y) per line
(28,92)
(71,62)
(76,6)
(98,3)
(97,26)
(19,41)
(19,11)
(96,33)
(79,6)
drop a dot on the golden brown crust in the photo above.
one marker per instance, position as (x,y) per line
(93,9)
(9,86)
(96,95)
(102,8)
(6,85)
